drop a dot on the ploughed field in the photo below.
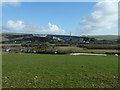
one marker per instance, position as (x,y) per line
(59,71)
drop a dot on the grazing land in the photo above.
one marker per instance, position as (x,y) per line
(72,49)
(59,71)
(106,37)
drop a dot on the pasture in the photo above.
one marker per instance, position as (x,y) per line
(59,71)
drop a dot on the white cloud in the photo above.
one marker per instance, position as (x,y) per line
(22,27)
(55,28)
(104,17)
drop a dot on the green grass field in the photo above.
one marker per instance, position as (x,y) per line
(83,50)
(106,37)
(59,71)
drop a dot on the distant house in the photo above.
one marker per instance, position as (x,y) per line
(56,38)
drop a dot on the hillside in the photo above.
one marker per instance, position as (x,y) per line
(5,36)
(21,37)
(40,37)
(12,36)
(105,37)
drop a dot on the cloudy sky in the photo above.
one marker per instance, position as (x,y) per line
(79,18)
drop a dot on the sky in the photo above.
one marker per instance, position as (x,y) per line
(79,18)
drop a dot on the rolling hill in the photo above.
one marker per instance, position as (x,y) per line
(47,37)
(106,37)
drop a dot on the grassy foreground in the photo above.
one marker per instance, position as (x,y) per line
(59,71)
